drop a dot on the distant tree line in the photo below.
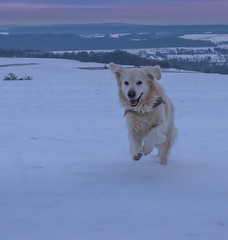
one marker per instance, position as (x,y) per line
(67,42)
(221,50)
(122,57)
(204,65)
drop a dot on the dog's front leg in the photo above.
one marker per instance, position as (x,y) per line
(135,141)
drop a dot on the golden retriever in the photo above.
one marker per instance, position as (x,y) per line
(148,111)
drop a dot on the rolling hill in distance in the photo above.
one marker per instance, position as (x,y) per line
(68,37)
(107,28)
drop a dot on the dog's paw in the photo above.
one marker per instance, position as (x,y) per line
(137,157)
(163,160)
(147,149)
(136,153)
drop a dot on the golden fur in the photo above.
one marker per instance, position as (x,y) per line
(148,126)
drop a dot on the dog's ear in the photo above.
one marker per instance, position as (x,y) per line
(116,69)
(153,72)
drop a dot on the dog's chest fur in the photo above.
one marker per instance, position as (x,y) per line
(142,123)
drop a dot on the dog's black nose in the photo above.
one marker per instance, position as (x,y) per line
(131,94)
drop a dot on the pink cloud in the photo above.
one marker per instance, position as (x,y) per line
(18,6)
(181,13)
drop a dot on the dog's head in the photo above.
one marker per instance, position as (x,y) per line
(136,85)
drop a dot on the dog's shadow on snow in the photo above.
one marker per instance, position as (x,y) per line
(147,169)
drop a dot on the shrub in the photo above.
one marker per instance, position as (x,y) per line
(12,76)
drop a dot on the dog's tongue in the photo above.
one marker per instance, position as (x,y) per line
(133,102)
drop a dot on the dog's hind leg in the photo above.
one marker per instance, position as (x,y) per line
(164,148)
(155,136)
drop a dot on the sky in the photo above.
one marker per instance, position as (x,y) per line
(153,12)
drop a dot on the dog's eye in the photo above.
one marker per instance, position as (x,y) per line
(126,83)
(139,83)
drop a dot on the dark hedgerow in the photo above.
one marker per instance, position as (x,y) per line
(12,77)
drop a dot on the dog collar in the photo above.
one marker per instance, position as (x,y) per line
(158,102)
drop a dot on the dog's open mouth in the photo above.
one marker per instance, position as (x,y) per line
(134,102)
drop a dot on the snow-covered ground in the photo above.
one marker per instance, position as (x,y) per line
(215,38)
(4,33)
(117,35)
(65,170)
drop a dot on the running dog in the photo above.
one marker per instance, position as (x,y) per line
(148,111)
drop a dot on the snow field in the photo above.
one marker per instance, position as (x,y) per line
(215,38)
(65,170)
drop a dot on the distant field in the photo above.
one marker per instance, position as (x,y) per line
(4,33)
(215,38)
(17,64)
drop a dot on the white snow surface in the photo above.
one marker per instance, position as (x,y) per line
(215,38)
(4,33)
(65,170)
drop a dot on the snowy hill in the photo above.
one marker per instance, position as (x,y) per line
(65,170)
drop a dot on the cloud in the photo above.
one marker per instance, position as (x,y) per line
(183,12)
(25,6)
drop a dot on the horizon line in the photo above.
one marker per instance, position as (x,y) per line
(109,23)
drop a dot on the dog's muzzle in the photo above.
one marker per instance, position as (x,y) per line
(134,102)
